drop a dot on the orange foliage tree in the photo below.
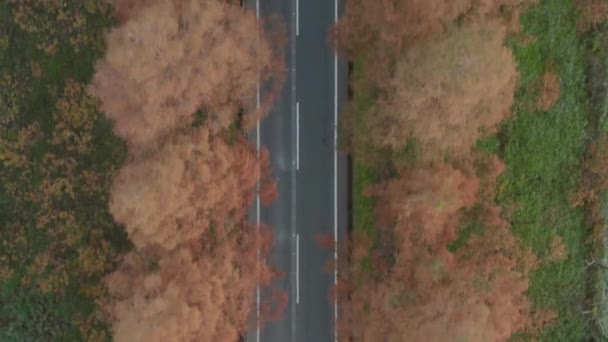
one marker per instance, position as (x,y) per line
(422,68)
(193,182)
(123,10)
(172,59)
(378,30)
(196,292)
(423,290)
(434,75)
(448,92)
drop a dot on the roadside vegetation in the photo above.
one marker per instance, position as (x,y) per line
(125,172)
(543,149)
(477,132)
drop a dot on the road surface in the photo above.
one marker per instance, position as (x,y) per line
(300,134)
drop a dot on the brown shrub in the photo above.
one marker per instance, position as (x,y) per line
(437,72)
(592,13)
(378,29)
(168,61)
(548,90)
(447,93)
(593,181)
(541,318)
(491,168)
(525,39)
(557,250)
(184,194)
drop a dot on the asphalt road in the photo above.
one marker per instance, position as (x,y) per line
(300,134)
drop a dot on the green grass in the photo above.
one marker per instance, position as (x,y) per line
(542,152)
(28,314)
(363,206)
(470,229)
(365,170)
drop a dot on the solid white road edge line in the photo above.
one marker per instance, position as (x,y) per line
(297,135)
(294,229)
(297,18)
(335,179)
(297,268)
(257,204)
(257,201)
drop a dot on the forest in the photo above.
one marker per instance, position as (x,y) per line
(477,129)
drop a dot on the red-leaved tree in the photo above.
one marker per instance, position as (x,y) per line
(447,93)
(424,291)
(201,291)
(194,182)
(172,59)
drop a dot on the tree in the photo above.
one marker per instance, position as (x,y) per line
(428,199)
(593,12)
(126,9)
(402,50)
(196,292)
(448,93)
(192,183)
(377,31)
(195,269)
(172,59)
